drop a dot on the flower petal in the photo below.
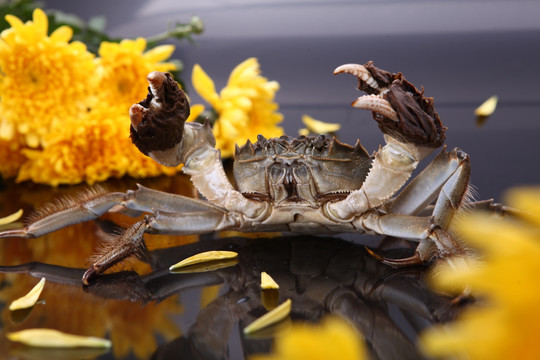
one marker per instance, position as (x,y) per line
(159,53)
(11,218)
(272,317)
(50,338)
(204,257)
(62,35)
(204,85)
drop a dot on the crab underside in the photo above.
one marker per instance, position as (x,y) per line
(305,184)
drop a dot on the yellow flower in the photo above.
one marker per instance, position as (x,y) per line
(245,106)
(91,150)
(123,69)
(507,322)
(11,156)
(43,79)
(333,338)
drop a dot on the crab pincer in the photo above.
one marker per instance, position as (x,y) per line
(157,122)
(400,109)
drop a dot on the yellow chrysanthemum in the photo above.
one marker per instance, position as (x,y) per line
(124,66)
(507,325)
(91,150)
(245,105)
(11,156)
(43,79)
(333,338)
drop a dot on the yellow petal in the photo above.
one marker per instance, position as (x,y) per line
(204,257)
(303,132)
(243,71)
(51,338)
(210,265)
(62,34)
(159,53)
(195,111)
(29,299)
(204,85)
(526,199)
(14,21)
(488,107)
(11,218)
(41,21)
(270,318)
(267,282)
(319,127)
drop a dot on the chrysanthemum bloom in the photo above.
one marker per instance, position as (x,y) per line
(123,68)
(333,338)
(506,322)
(11,156)
(43,79)
(245,106)
(91,150)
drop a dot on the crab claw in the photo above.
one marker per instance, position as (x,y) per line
(157,122)
(408,261)
(400,109)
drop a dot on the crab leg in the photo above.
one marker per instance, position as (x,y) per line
(131,240)
(451,196)
(93,204)
(424,188)
(392,167)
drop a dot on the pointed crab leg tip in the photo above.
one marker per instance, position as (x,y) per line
(136,112)
(13,233)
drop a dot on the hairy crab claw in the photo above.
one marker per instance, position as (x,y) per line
(400,109)
(157,122)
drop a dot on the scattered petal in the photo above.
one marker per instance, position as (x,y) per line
(210,265)
(488,107)
(29,299)
(207,256)
(11,218)
(267,282)
(485,110)
(51,338)
(270,318)
(319,127)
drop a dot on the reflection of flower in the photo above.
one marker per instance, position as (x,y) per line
(63,114)
(132,326)
(507,326)
(333,338)
(245,106)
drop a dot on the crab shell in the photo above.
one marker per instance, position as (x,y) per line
(312,169)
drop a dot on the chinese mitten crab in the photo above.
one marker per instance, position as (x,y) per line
(305,184)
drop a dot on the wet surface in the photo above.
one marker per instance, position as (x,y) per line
(147,311)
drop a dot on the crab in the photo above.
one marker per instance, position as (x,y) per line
(308,184)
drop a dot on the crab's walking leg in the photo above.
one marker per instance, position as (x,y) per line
(451,172)
(130,241)
(93,204)
(392,167)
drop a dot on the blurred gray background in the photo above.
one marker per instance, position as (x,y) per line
(461,52)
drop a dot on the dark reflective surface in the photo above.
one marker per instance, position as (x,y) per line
(148,312)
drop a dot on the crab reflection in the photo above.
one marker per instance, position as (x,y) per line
(321,275)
